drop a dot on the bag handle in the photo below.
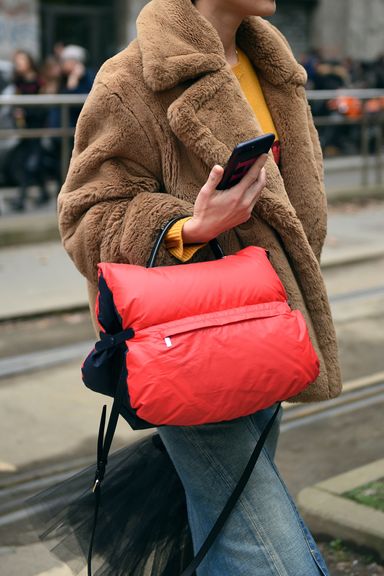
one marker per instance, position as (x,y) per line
(214,244)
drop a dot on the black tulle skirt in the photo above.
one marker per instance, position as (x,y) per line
(142,528)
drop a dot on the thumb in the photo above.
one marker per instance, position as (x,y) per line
(215,176)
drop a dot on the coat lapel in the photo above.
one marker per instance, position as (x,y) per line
(212,116)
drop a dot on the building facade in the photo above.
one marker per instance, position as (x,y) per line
(19,27)
(352,28)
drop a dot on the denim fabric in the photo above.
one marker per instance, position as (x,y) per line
(265,535)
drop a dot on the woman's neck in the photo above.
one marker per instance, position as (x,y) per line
(226,24)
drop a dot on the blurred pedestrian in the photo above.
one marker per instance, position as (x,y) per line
(58,48)
(52,79)
(355,73)
(76,77)
(7,122)
(310,60)
(51,76)
(27,159)
(379,72)
(330,75)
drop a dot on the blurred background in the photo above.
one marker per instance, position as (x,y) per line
(330,454)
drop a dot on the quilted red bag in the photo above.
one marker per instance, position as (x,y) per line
(198,343)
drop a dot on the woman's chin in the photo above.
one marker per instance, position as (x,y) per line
(265,7)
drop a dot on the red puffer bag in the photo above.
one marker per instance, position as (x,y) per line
(198,343)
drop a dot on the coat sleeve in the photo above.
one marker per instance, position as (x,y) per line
(113,203)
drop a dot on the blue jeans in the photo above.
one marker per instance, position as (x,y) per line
(264,535)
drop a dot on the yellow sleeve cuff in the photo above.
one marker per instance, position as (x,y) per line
(175,245)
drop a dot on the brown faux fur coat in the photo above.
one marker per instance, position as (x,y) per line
(161,113)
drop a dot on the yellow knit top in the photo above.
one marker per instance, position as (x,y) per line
(250,85)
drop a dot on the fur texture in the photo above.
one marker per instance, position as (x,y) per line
(160,114)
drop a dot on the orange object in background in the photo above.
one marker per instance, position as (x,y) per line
(374,105)
(348,106)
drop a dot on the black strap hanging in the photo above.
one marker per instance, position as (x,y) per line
(104,442)
(232,500)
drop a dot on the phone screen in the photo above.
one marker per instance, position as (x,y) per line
(243,157)
(241,169)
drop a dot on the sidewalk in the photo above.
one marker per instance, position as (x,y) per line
(40,278)
(28,228)
(328,509)
(54,400)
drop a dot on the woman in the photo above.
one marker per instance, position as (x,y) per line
(158,126)
(27,161)
(51,78)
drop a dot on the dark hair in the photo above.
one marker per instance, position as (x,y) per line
(31,61)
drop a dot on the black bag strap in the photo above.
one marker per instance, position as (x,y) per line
(103,448)
(214,244)
(232,500)
(104,441)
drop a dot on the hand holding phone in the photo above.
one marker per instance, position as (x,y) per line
(215,212)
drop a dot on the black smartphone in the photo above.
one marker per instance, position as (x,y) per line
(243,157)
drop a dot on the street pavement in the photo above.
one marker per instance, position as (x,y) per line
(39,278)
(345,173)
(48,415)
(48,418)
